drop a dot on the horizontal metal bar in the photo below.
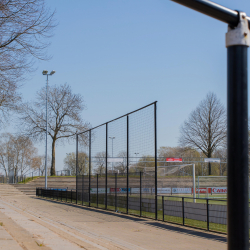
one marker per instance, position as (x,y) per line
(214,10)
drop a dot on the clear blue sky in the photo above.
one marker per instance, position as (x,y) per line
(123,54)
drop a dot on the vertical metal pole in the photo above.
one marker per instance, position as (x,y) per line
(237,146)
(89,166)
(115,191)
(76,197)
(97,186)
(140,195)
(77,170)
(183,212)
(106,174)
(207,215)
(163,208)
(194,186)
(46,156)
(71,195)
(155,137)
(127,160)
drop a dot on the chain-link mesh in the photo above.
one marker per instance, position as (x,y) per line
(119,166)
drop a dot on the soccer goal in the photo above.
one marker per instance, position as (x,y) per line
(178,179)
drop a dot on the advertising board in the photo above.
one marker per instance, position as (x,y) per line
(174,159)
(181,190)
(219,190)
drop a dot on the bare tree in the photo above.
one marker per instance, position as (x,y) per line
(100,163)
(64,116)
(38,164)
(205,128)
(70,163)
(25,26)
(122,166)
(16,154)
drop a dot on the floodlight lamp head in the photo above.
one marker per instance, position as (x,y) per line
(45,72)
(52,72)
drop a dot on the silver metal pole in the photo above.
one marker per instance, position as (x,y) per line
(46,131)
(194,187)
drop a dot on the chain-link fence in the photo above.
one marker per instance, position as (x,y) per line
(117,164)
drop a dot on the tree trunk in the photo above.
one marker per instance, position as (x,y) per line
(209,169)
(53,160)
(209,164)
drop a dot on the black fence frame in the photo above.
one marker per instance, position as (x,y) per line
(106,158)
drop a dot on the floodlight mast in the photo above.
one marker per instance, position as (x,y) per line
(45,73)
(237,43)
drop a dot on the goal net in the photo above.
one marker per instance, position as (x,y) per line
(177,180)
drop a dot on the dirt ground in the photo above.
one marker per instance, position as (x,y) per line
(34,223)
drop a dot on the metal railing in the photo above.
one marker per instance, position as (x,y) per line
(203,213)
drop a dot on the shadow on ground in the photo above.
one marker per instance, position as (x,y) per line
(149,222)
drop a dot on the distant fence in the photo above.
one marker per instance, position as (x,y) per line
(12,179)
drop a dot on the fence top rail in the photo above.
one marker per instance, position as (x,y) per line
(191,198)
(117,118)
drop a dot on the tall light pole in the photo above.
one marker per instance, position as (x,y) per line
(45,72)
(112,138)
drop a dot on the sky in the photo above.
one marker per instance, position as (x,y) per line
(121,55)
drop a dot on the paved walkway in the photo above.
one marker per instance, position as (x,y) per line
(33,223)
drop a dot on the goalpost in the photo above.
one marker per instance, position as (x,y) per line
(179,172)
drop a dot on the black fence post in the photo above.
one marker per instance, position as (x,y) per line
(183,212)
(57,194)
(71,195)
(89,166)
(97,190)
(207,215)
(237,146)
(61,194)
(76,196)
(115,191)
(140,195)
(106,174)
(127,161)
(162,208)
(155,135)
